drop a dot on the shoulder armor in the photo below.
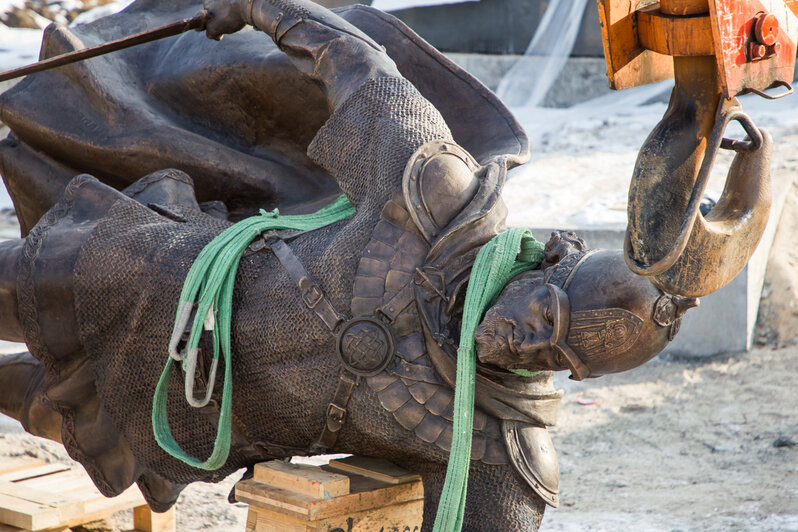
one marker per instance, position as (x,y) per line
(438,182)
(533,456)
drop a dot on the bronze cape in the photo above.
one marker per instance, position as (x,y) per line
(235,115)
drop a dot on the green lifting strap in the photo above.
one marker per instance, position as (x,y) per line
(209,288)
(501,259)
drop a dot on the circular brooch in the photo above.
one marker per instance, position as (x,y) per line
(365,346)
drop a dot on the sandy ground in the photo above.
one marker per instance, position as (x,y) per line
(682,445)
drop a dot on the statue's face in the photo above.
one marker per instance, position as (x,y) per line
(516,332)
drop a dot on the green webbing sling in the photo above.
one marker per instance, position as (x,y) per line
(209,287)
(504,257)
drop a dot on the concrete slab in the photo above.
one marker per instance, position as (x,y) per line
(494,26)
(581,79)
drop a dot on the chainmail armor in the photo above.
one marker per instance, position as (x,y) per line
(130,271)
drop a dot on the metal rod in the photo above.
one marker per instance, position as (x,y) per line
(197,22)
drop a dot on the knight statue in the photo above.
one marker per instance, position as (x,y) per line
(344,338)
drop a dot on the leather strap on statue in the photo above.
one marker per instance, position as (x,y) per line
(315,300)
(336,412)
(365,344)
(311,292)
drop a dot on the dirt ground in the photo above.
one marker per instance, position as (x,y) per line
(682,445)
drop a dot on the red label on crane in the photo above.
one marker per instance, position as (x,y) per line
(755,42)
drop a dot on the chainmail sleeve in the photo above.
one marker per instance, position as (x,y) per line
(367,142)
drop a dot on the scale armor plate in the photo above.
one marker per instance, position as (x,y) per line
(410,388)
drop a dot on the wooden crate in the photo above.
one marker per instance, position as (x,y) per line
(36,496)
(350,495)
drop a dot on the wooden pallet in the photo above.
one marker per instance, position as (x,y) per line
(36,496)
(353,495)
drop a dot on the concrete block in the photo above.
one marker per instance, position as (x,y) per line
(495,26)
(581,79)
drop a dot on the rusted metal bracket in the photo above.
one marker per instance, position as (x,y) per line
(753,41)
(698,254)
(671,35)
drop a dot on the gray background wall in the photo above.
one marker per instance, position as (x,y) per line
(494,26)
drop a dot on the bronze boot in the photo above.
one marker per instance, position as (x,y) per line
(10,326)
(21,380)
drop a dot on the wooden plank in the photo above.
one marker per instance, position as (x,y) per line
(10,464)
(42,496)
(130,498)
(50,497)
(403,517)
(85,518)
(64,505)
(9,528)
(262,495)
(103,507)
(146,520)
(367,500)
(26,514)
(60,482)
(308,508)
(378,469)
(299,478)
(268,521)
(34,472)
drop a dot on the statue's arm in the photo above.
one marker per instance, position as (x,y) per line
(322,45)
(378,118)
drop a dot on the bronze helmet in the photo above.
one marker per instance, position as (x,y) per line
(608,319)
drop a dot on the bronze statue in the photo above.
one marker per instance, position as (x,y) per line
(418,146)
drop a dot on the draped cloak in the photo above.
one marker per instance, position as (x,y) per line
(235,115)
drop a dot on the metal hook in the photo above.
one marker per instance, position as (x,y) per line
(754,135)
(189,357)
(716,141)
(183,317)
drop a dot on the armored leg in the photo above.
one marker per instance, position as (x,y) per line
(21,381)
(498,499)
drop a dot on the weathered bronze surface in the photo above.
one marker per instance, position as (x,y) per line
(343,338)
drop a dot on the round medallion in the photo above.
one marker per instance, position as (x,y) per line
(365,346)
